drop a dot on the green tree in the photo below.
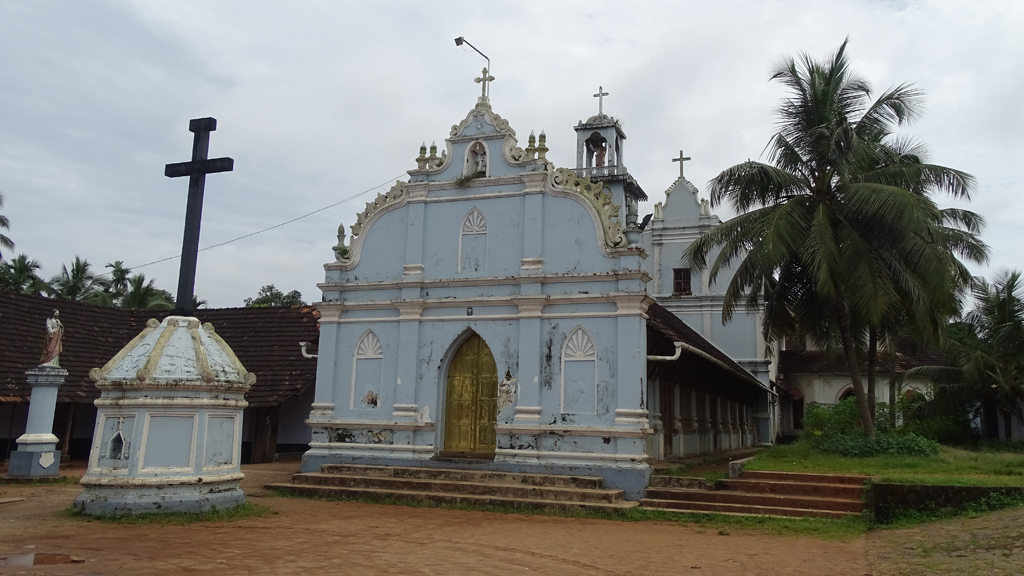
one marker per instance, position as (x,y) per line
(143,295)
(837,230)
(5,224)
(20,275)
(986,353)
(77,283)
(269,295)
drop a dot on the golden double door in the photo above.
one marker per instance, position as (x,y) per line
(471,403)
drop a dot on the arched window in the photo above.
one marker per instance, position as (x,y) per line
(579,373)
(473,243)
(597,150)
(367,372)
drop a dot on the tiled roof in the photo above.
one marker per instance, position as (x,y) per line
(92,335)
(266,341)
(821,361)
(724,377)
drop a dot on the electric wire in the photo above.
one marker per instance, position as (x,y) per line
(249,235)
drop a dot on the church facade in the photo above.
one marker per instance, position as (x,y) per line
(493,312)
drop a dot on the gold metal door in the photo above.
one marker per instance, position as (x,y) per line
(471,404)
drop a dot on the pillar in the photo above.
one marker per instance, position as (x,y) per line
(37,454)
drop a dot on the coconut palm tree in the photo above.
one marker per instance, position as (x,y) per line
(986,352)
(143,295)
(77,283)
(19,275)
(5,224)
(837,229)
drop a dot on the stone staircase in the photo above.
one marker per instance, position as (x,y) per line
(762,493)
(454,486)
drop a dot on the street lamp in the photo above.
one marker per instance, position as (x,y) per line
(460,41)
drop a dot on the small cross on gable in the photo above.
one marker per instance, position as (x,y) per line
(681,159)
(484,79)
(600,99)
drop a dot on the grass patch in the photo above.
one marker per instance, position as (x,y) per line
(974,509)
(952,466)
(822,528)
(240,512)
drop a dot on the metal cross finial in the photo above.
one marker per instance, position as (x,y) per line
(484,79)
(600,99)
(681,159)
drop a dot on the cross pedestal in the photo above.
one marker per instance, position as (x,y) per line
(37,454)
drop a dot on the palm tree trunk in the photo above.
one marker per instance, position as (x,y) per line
(872,363)
(1008,425)
(892,389)
(851,359)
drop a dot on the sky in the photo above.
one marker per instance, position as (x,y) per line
(320,101)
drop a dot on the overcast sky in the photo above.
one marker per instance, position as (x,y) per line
(318,101)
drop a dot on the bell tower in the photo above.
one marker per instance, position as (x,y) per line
(599,155)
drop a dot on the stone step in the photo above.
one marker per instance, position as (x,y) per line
(460,475)
(843,491)
(749,499)
(505,490)
(805,477)
(739,509)
(693,483)
(407,496)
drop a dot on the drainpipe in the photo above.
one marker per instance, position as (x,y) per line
(304,353)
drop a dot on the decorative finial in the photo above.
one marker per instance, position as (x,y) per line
(531,146)
(421,160)
(542,148)
(600,99)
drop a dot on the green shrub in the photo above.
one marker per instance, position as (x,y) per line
(838,419)
(856,445)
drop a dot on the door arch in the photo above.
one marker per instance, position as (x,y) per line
(471,401)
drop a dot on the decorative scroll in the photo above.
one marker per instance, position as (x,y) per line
(567,180)
(393,196)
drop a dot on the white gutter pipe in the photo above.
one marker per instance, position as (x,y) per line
(304,353)
(679,349)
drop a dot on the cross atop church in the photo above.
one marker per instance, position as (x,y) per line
(600,99)
(681,159)
(484,80)
(196,170)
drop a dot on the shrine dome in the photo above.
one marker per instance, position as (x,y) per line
(178,350)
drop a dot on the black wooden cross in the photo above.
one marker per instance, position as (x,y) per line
(196,170)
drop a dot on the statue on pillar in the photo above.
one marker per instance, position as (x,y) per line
(54,341)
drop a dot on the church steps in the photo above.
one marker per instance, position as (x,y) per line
(743,498)
(792,488)
(459,475)
(805,477)
(739,509)
(477,488)
(411,497)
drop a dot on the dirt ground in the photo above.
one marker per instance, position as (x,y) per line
(314,537)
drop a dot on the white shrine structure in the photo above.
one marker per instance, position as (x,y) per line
(168,425)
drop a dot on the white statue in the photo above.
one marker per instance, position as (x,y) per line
(54,341)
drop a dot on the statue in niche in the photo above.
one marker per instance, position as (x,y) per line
(476,162)
(54,343)
(598,146)
(600,155)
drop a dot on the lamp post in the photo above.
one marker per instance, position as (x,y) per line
(461,40)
